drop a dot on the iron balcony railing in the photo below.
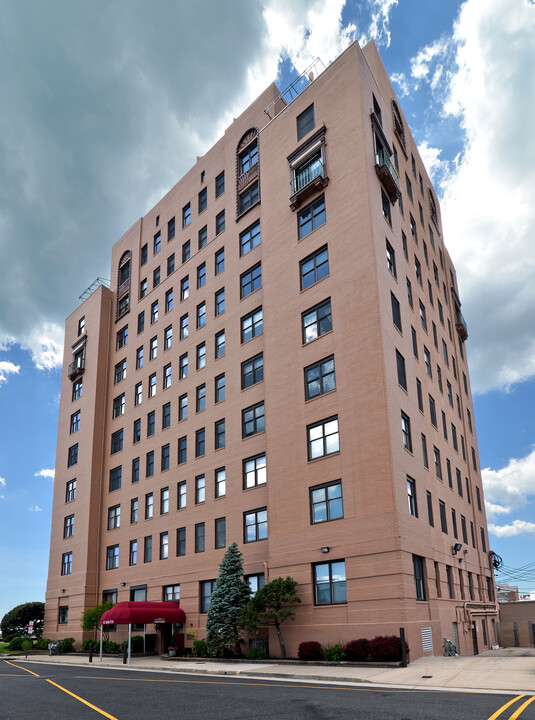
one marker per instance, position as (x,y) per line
(383,158)
(305,176)
(76,367)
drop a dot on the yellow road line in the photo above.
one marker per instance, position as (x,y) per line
(22,668)
(504,707)
(77,697)
(522,708)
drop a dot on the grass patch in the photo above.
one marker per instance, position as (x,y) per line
(4,648)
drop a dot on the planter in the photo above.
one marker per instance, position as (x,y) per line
(172,652)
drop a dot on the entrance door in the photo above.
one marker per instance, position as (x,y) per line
(474,637)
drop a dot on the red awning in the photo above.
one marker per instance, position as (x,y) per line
(124,613)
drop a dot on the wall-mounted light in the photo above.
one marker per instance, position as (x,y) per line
(123,584)
(455,549)
(325,549)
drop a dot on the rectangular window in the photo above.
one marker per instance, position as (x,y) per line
(252,371)
(220,222)
(423,317)
(183,407)
(330,583)
(122,338)
(201,398)
(419,395)
(147,549)
(141,322)
(201,355)
(406,431)
(443,520)
(411,496)
(219,388)
(144,254)
(115,478)
(167,376)
(182,450)
(149,466)
(433,411)
(424,451)
(184,326)
(454,523)
(153,348)
(201,315)
(138,393)
(199,538)
(181,495)
(254,471)
(419,581)
(116,442)
(169,300)
(157,243)
(326,502)
(186,215)
(171,264)
(112,557)
(118,405)
(164,545)
(171,592)
(186,251)
(402,376)
(200,442)
(181,541)
(154,312)
(314,268)
(206,589)
(220,344)
(251,280)
(135,470)
(114,517)
(77,389)
(463,529)
(171,229)
(132,560)
(149,505)
(305,122)
(251,325)
(168,338)
(311,217)
(143,288)
(200,489)
(165,457)
(427,362)
(430,509)
(203,233)
(316,321)
(391,259)
(438,465)
(253,420)
(220,184)
(201,275)
(184,288)
(220,532)
(156,276)
(66,563)
(250,238)
(139,358)
(68,526)
(220,482)
(323,438)
(248,198)
(152,385)
(385,202)
(255,525)
(219,434)
(134,510)
(396,312)
(219,302)
(248,157)
(183,366)
(203,200)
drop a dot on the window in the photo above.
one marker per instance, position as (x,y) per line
(251,325)
(433,411)
(330,583)
(182,450)
(252,371)
(186,215)
(250,238)
(153,348)
(116,441)
(149,505)
(251,280)
(147,549)
(253,420)
(171,264)
(248,198)
(409,186)
(445,353)
(114,517)
(164,545)
(70,491)
(112,557)
(75,420)
(134,510)
(141,322)
(219,261)
(424,451)
(68,526)
(256,582)
(454,523)
(139,358)
(459,482)
(181,495)
(167,376)
(169,300)
(305,122)
(248,157)
(323,438)
(152,385)
(184,288)
(138,393)
(326,502)
(81,323)
(219,302)
(396,312)
(402,375)
(219,385)
(165,457)
(411,496)
(72,457)
(474,463)
(122,338)
(443,520)
(414,342)
(199,537)
(184,326)
(419,395)
(220,344)
(63,614)
(149,466)
(427,362)
(316,321)
(439,379)
(220,532)
(201,398)
(183,366)
(449,578)
(66,563)
(220,222)
(483,541)
(201,355)
(186,251)
(314,268)
(219,438)
(156,277)
(154,312)
(311,217)
(135,470)
(157,243)
(144,254)
(391,259)
(200,442)
(181,541)
(386,208)
(463,528)
(171,592)
(406,431)
(77,389)
(430,509)
(478,498)
(220,184)
(419,583)
(254,471)
(207,587)
(171,229)
(183,407)
(201,315)
(124,305)
(255,525)
(438,465)
(203,201)
(201,275)
(168,338)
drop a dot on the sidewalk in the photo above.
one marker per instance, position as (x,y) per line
(506,670)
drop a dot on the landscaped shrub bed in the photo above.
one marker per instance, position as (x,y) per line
(310,650)
(383,648)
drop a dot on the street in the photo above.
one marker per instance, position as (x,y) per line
(46,692)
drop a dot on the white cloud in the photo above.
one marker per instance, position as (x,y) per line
(401,81)
(380,17)
(46,345)
(518,527)
(35,508)
(7,368)
(487,208)
(2,482)
(46,473)
(427,56)
(508,489)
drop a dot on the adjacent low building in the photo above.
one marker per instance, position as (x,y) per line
(280,361)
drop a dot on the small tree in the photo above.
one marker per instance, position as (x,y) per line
(15,622)
(271,606)
(230,594)
(91,617)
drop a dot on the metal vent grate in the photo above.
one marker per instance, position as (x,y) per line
(427,639)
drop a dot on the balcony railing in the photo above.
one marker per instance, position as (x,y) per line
(387,174)
(306,181)
(76,368)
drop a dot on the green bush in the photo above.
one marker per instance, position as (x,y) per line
(66,645)
(109,646)
(17,643)
(200,649)
(334,652)
(255,654)
(357,650)
(310,650)
(87,643)
(137,643)
(42,643)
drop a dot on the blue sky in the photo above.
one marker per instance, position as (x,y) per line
(109,105)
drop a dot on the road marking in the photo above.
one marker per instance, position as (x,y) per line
(85,702)
(522,708)
(21,668)
(504,707)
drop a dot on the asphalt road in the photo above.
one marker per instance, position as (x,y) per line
(45,692)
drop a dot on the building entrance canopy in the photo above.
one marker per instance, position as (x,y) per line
(143,613)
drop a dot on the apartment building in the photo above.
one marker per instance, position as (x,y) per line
(280,361)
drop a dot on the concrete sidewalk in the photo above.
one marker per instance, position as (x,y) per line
(505,670)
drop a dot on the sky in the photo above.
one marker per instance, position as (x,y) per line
(105,105)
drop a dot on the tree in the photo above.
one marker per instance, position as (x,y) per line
(15,622)
(230,594)
(271,606)
(91,617)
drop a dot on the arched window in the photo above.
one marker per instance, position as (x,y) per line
(399,127)
(247,172)
(123,284)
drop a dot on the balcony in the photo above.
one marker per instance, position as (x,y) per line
(460,325)
(387,174)
(76,368)
(307,179)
